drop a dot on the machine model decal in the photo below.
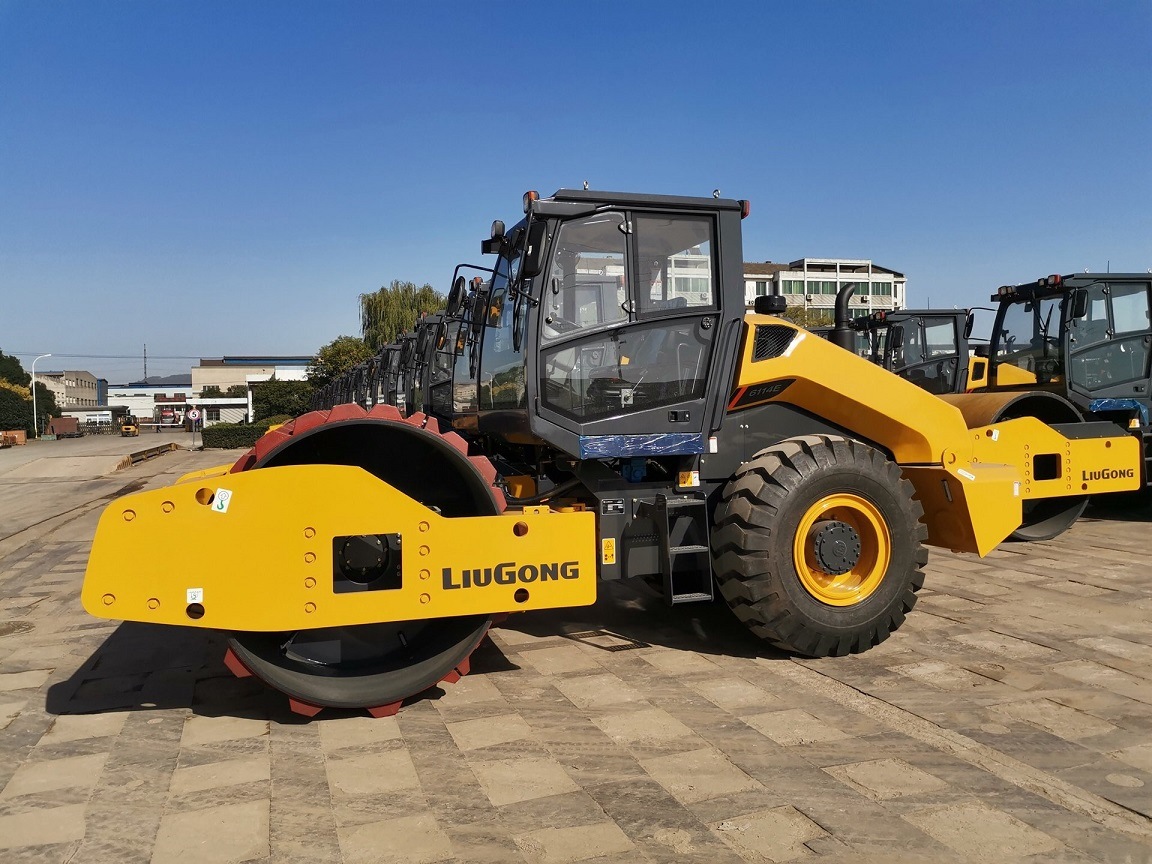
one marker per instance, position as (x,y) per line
(754,394)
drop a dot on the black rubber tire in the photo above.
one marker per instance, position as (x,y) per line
(756,520)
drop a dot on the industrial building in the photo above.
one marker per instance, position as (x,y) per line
(239,371)
(813,283)
(73,387)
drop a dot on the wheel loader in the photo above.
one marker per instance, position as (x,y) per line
(599,406)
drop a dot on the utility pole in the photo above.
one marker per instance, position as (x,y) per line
(35,419)
(145,362)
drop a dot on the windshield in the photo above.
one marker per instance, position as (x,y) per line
(1028,334)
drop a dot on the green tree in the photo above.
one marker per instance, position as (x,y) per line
(387,313)
(336,358)
(808,318)
(15,411)
(234,391)
(11,370)
(273,398)
(16,398)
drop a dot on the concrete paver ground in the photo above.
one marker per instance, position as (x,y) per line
(1009,720)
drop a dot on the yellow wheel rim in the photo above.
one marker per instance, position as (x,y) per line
(866,574)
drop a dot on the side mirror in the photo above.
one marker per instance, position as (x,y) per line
(1079,304)
(456,297)
(532,262)
(770,304)
(968,322)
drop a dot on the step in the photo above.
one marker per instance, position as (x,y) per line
(685,503)
(694,597)
(676,550)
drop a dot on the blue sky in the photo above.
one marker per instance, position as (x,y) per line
(215,178)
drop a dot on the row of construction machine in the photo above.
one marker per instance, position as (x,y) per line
(1065,349)
(596,404)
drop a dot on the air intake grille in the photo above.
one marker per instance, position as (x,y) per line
(771,341)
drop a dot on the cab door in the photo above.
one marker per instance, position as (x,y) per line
(628,314)
(1109,344)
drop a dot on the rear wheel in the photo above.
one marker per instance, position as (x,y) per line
(818,546)
(374,666)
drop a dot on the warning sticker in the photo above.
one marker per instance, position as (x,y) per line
(195,595)
(221,500)
(608,550)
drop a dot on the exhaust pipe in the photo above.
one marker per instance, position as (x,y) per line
(842,333)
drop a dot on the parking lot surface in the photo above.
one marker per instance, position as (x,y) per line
(1009,720)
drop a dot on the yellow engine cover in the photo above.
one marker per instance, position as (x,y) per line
(256,552)
(973,481)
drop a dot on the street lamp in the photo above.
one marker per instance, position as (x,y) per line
(35,420)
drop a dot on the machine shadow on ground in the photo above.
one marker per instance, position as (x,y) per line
(629,611)
(149,667)
(1121,507)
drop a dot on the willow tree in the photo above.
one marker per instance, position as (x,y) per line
(387,313)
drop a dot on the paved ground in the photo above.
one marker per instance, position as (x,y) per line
(45,479)
(1010,720)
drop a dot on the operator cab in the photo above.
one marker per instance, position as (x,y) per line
(603,318)
(930,349)
(1085,335)
(927,347)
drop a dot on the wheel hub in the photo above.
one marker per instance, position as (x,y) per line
(841,549)
(837,547)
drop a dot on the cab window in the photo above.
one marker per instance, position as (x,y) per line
(586,286)
(676,268)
